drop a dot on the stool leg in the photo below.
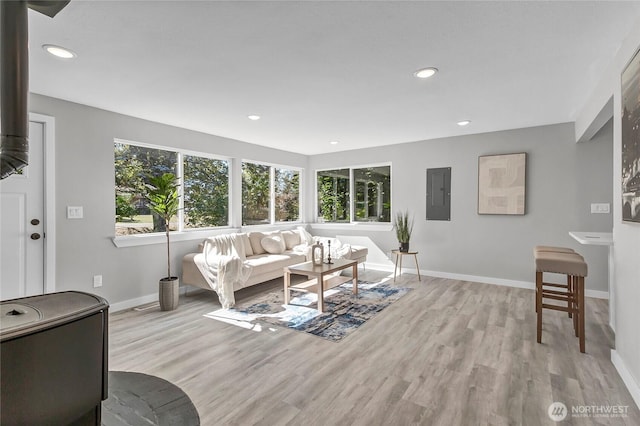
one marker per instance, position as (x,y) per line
(539,303)
(581,309)
(536,295)
(415,257)
(575,306)
(570,291)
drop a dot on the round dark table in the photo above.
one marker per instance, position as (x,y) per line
(137,399)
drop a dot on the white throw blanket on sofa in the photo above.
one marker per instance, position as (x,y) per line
(224,266)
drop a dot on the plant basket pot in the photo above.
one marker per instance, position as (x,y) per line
(404,247)
(169,293)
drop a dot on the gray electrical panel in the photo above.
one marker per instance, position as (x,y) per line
(439,194)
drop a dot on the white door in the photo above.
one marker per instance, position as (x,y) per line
(22,224)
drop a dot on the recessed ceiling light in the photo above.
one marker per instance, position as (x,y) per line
(334,142)
(426,72)
(464,123)
(58,51)
(253,117)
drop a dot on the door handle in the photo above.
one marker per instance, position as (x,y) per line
(35,236)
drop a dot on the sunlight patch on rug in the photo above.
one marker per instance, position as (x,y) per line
(344,312)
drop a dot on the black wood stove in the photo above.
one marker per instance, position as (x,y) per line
(53,359)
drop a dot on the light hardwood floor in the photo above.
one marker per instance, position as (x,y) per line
(448,353)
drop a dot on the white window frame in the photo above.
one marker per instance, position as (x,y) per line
(352,222)
(272,193)
(182,233)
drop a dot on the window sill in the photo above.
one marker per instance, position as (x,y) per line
(354,226)
(161,238)
(271,226)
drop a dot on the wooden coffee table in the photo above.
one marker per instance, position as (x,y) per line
(319,282)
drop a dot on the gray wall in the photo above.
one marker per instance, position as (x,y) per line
(626,235)
(85,177)
(563,178)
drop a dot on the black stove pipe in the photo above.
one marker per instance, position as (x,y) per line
(14,87)
(14,80)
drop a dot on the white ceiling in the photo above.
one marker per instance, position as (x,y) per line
(318,71)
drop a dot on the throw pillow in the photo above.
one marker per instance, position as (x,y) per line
(255,238)
(248,250)
(273,244)
(305,237)
(291,239)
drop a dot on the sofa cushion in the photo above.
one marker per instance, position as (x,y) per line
(273,244)
(291,239)
(264,263)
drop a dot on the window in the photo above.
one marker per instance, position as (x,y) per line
(372,194)
(269,194)
(367,189)
(206,192)
(287,195)
(255,194)
(204,189)
(333,195)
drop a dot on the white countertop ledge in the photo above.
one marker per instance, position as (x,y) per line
(593,238)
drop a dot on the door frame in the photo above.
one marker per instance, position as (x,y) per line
(49,188)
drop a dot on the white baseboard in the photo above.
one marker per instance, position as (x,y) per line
(632,384)
(378,267)
(142,300)
(132,303)
(598,294)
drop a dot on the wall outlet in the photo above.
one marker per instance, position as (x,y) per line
(600,208)
(97,281)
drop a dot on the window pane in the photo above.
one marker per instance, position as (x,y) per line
(287,195)
(372,194)
(133,165)
(206,192)
(255,194)
(333,195)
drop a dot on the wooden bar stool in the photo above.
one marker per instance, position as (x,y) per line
(575,268)
(554,249)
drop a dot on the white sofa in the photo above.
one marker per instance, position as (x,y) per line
(266,266)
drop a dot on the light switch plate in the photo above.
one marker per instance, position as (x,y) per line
(600,208)
(75,212)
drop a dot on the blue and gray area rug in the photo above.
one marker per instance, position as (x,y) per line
(344,312)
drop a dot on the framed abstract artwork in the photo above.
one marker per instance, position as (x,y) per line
(501,184)
(631,140)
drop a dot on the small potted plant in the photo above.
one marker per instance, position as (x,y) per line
(404,227)
(162,193)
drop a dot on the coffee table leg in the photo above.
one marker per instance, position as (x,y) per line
(321,293)
(287,285)
(355,279)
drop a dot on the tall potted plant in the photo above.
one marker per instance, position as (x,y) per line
(404,227)
(162,193)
